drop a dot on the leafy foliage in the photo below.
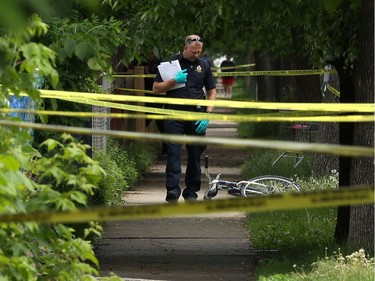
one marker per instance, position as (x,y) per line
(62,179)
(78,46)
(175,20)
(90,42)
(321,41)
(143,155)
(56,170)
(20,58)
(59,182)
(84,46)
(121,173)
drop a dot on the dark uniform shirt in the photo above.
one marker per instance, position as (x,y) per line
(228,63)
(199,76)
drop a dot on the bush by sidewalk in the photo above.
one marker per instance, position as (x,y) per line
(123,167)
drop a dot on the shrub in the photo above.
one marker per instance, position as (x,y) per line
(121,173)
(59,182)
(124,167)
(113,183)
(143,155)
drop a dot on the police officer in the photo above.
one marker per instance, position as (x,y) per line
(196,74)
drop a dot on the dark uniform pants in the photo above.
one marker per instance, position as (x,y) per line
(173,168)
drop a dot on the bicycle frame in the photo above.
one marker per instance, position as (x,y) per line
(261,185)
(218,184)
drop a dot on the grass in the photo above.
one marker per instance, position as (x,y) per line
(260,163)
(356,266)
(239,91)
(295,244)
(288,238)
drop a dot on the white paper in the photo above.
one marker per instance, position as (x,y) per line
(168,70)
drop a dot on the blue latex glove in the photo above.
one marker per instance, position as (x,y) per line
(181,76)
(201,126)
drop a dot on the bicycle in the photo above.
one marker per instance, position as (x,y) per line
(260,185)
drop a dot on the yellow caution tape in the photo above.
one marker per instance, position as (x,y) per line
(135,90)
(187,115)
(275,202)
(133,76)
(236,66)
(153,75)
(333,107)
(246,73)
(195,116)
(340,150)
(333,90)
(274,73)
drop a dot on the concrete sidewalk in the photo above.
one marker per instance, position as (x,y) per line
(204,247)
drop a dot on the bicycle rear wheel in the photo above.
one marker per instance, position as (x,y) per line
(269,184)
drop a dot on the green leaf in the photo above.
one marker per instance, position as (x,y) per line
(54,104)
(57,173)
(93,64)
(50,144)
(73,153)
(31,151)
(79,197)
(65,204)
(81,50)
(69,46)
(42,117)
(331,5)
(10,163)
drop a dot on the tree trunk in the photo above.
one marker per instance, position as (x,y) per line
(361,230)
(285,85)
(307,86)
(266,84)
(250,81)
(346,130)
(328,132)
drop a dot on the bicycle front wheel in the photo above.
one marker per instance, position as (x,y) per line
(264,185)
